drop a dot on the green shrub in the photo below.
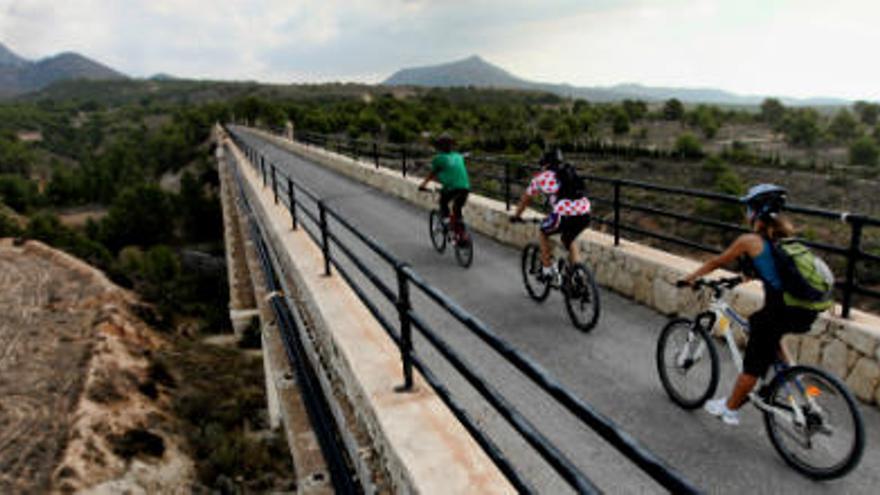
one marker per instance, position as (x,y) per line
(688,146)
(864,151)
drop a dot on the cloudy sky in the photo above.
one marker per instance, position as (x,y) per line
(783,47)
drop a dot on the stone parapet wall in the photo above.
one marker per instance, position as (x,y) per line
(849,348)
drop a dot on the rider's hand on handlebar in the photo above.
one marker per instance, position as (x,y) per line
(515,219)
(423,188)
(683,283)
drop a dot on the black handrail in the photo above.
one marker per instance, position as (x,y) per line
(655,468)
(852,253)
(317,408)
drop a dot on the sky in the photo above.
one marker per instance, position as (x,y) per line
(794,48)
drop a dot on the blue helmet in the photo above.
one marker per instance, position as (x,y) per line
(763,201)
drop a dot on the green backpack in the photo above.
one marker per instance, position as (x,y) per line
(807,282)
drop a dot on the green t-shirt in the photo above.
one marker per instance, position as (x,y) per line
(450,171)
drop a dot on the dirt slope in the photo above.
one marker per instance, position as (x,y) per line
(82,406)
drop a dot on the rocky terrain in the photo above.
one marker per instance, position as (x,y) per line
(83,406)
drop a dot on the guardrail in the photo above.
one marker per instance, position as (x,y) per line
(293,196)
(504,177)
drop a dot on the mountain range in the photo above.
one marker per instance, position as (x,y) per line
(19,75)
(476,72)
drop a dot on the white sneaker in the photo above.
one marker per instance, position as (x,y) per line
(718,407)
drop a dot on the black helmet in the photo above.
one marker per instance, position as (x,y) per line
(444,142)
(551,158)
(763,201)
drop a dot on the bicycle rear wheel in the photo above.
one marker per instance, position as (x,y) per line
(582,298)
(464,248)
(829,442)
(531,271)
(437,232)
(687,363)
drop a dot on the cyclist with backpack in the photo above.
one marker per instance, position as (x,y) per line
(449,169)
(564,192)
(797,286)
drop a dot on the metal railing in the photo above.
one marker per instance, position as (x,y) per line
(317,409)
(293,196)
(504,177)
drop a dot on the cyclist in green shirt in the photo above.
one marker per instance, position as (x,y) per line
(449,169)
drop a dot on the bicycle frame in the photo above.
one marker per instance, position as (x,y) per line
(722,314)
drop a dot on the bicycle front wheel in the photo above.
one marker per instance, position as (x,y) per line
(531,272)
(687,363)
(582,298)
(437,232)
(464,248)
(814,423)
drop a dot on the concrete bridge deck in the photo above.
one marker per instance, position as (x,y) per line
(612,368)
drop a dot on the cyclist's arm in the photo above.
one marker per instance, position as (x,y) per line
(429,178)
(521,206)
(533,189)
(742,245)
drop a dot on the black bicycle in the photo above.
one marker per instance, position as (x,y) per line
(442,234)
(575,281)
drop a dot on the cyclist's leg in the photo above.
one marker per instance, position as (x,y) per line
(459,199)
(572,226)
(798,320)
(549,226)
(761,350)
(445,197)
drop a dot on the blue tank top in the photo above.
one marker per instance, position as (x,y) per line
(765,265)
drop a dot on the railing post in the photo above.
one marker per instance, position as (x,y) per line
(403,156)
(263,169)
(274,184)
(291,198)
(376,154)
(852,258)
(507,186)
(403,307)
(616,212)
(325,244)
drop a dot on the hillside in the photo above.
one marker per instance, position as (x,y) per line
(18,75)
(476,72)
(81,402)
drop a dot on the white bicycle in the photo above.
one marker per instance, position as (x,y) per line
(810,416)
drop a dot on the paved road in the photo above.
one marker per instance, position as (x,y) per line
(611,368)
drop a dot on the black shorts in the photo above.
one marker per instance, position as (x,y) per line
(569,226)
(767,326)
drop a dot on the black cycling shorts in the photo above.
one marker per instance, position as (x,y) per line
(767,326)
(569,226)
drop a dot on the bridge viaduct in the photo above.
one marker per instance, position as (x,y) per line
(413,441)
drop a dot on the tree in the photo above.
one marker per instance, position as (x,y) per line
(772,112)
(864,151)
(801,127)
(688,146)
(635,109)
(17,192)
(620,122)
(140,216)
(673,109)
(868,112)
(844,126)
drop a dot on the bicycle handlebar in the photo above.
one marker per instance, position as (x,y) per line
(525,220)
(717,285)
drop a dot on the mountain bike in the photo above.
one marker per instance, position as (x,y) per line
(809,415)
(575,281)
(442,233)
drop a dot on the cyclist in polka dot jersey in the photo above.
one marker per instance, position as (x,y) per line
(569,207)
